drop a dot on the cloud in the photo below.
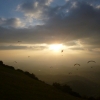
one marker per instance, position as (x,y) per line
(35,9)
(72,21)
(92,44)
(76,48)
(12,47)
(22,47)
(38,47)
(71,43)
(10,22)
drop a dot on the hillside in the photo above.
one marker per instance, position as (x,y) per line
(79,84)
(15,85)
(85,87)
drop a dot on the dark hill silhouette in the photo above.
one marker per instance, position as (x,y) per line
(79,84)
(85,88)
(19,85)
(66,89)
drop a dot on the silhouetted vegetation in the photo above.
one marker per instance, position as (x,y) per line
(31,75)
(26,72)
(65,89)
(20,70)
(1,62)
(9,67)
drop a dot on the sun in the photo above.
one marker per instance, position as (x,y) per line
(56,47)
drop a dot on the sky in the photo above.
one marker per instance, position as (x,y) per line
(34,32)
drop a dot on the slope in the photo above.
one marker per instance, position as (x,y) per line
(16,85)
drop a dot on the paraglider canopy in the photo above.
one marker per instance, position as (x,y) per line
(76,64)
(91,61)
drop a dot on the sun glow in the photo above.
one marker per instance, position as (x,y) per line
(56,47)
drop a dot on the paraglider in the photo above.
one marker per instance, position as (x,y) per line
(76,64)
(91,61)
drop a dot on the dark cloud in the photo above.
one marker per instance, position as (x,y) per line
(12,47)
(38,47)
(10,22)
(71,43)
(72,21)
(91,42)
(35,9)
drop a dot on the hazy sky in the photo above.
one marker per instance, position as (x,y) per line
(42,28)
